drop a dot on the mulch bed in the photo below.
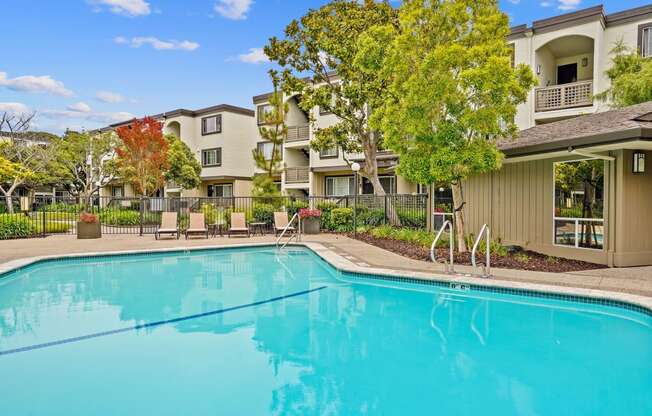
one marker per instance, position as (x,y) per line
(535,261)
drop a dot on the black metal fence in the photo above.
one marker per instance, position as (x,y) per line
(41,216)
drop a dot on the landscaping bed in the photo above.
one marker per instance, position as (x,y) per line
(521,260)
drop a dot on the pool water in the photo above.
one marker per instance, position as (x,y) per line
(256,332)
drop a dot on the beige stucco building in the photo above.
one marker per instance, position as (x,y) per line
(222,138)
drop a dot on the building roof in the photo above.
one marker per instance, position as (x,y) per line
(582,16)
(220,108)
(633,122)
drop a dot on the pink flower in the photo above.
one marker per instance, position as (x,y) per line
(306,213)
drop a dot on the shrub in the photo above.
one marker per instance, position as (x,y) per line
(420,237)
(326,207)
(213,214)
(294,206)
(16,226)
(412,218)
(309,213)
(88,218)
(54,227)
(495,247)
(263,213)
(120,217)
(342,219)
(64,207)
(371,217)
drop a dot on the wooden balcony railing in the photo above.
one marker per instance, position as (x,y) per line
(559,97)
(298,133)
(297,175)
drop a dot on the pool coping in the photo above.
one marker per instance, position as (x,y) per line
(342,264)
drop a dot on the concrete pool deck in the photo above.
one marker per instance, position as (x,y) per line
(635,281)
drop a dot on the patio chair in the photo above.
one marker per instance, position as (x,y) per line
(168,225)
(238,224)
(280,222)
(197,225)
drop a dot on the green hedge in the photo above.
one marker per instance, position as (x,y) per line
(128,217)
(264,213)
(16,226)
(63,207)
(341,219)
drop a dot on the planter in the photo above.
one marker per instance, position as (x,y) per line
(310,225)
(88,230)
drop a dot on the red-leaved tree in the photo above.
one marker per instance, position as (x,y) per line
(143,155)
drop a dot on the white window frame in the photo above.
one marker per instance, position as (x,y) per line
(330,153)
(223,187)
(216,128)
(350,178)
(218,157)
(577,221)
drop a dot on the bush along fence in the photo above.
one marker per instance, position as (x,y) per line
(43,216)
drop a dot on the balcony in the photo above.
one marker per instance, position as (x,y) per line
(559,97)
(297,175)
(298,133)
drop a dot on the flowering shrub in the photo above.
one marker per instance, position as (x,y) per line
(307,213)
(88,218)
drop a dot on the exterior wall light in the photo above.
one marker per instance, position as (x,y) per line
(639,162)
(585,61)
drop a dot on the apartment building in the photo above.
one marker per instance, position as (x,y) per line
(222,138)
(310,172)
(569,54)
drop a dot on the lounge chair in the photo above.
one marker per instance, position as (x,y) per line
(238,224)
(197,225)
(168,225)
(280,222)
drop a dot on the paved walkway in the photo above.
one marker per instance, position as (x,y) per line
(637,280)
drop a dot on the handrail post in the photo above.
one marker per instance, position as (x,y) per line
(142,206)
(487,266)
(450,268)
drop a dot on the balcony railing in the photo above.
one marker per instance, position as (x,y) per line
(298,133)
(297,175)
(559,97)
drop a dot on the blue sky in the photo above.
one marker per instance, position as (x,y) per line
(87,63)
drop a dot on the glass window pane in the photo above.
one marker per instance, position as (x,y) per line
(579,189)
(590,234)
(646,44)
(565,232)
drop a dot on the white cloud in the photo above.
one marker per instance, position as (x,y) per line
(129,8)
(569,4)
(96,116)
(545,4)
(254,56)
(514,1)
(81,107)
(156,43)
(109,97)
(31,83)
(233,9)
(14,108)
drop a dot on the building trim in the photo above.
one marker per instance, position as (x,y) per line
(262,97)
(628,16)
(221,108)
(225,178)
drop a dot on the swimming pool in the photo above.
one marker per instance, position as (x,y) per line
(250,331)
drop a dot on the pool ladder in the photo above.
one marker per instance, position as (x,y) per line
(486,269)
(294,236)
(448,267)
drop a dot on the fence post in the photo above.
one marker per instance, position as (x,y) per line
(142,207)
(43,222)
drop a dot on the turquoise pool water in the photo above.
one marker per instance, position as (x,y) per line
(254,332)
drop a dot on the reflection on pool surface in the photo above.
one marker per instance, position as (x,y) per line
(255,332)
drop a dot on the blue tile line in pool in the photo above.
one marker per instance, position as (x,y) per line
(157,323)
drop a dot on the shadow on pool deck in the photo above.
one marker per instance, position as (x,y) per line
(635,280)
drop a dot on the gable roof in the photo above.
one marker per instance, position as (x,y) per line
(631,122)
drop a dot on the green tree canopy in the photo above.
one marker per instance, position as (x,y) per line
(183,167)
(84,161)
(323,44)
(631,78)
(452,92)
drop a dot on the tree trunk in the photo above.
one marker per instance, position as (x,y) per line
(460,227)
(10,203)
(371,173)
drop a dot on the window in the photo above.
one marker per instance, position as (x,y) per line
(211,157)
(645,40)
(117,191)
(262,111)
(339,185)
(329,153)
(388,183)
(266,149)
(221,190)
(579,202)
(212,124)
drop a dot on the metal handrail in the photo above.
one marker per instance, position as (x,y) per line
(297,234)
(487,266)
(450,266)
